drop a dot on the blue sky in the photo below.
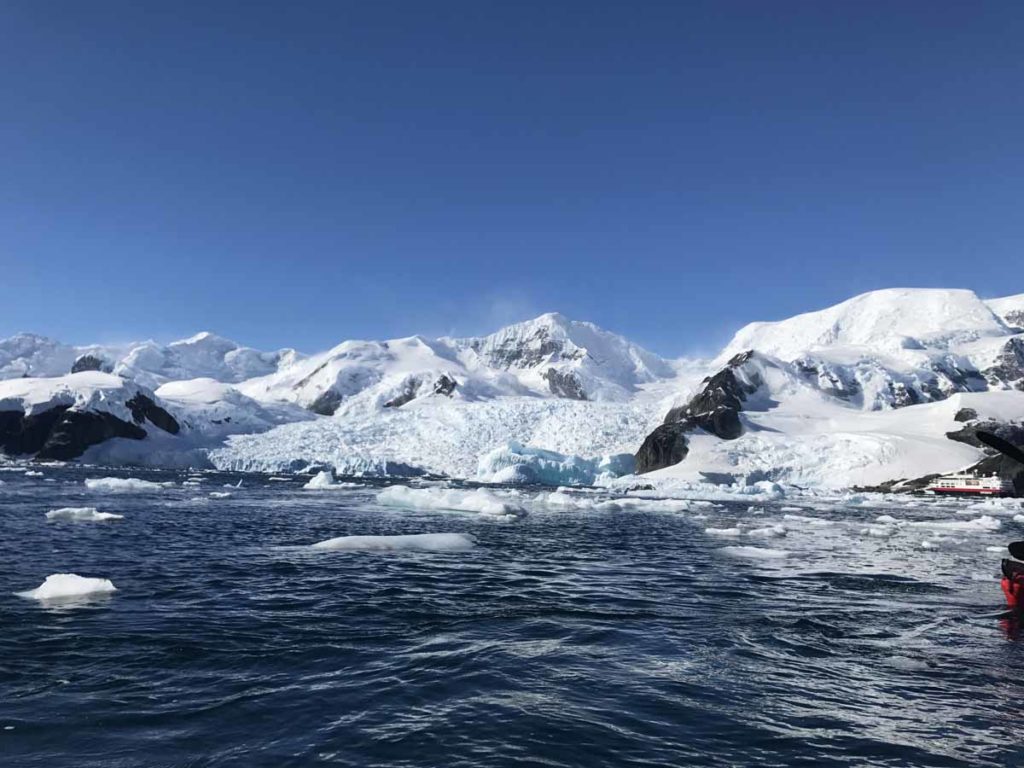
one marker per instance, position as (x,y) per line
(297,174)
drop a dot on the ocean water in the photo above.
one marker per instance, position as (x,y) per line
(563,638)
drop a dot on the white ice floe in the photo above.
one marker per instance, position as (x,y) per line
(33,473)
(768,531)
(878,531)
(325,481)
(124,485)
(983,523)
(478,500)
(81,514)
(756,553)
(806,520)
(220,494)
(993,549)
(886,519)
(63,585)
(723,531)
(424,542)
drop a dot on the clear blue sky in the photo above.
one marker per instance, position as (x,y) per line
(301,173)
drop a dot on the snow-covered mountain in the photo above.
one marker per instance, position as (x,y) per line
(858,393)
(147,363)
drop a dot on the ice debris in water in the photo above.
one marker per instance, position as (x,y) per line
(220,494)
(756,553)
(124,485)
(723,531)
(878,531)
(325,479)
(983,523)
(516,463)
(479,500)
(424,542)
(60,585)
(768,531)
(81,514)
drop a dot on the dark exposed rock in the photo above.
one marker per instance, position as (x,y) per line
(564,384)
(902,395)
(1008,369)
(715,409)
(91,363)
(445,385)
(1012,433)
(965,414)
(1015,318)
(60,433)
(529,352)
(327,403)
(665,446)
(144,408)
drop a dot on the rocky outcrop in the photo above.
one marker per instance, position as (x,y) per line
(715,408)
(664,447)
(144,409)
(564,384)
(414,387)
(91,363)
(61,433)
(1008,369)
(65,433)
(326,403)
(1012,433)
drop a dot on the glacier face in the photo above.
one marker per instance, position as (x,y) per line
(860,392)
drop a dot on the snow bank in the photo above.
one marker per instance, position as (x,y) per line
(81,514)
(124,485)
(479,500)
(62,585)
(325,481)
(516,463)
(424,542)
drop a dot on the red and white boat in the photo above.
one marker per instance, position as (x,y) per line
(964,484)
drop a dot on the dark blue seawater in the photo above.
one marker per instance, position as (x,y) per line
(563,639)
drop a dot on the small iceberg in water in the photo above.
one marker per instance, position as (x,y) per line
(423,542)
(60,586)
(81,515)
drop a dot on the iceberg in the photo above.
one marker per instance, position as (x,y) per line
(423,542)
(81,514)
(65,585)
(516,463)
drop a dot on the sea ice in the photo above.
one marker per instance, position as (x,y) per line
(81,514)
(723,531)
(124,485)
(757,553)
(425,542)
(325,480)
(768,531)
(60,585)
(478,500)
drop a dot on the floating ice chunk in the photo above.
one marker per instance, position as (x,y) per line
(81,514)
(33,473)
(220,494)
(325,480)
(886,519)
(723,531)
(993,549)
(425,542)
(478,500)
(768,531)
(878,531)
(516,463)
(62,585)
(806,520)
(1018,518)
(926,544)
(983,523)
(124,485)
(279,479)
(756,553)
